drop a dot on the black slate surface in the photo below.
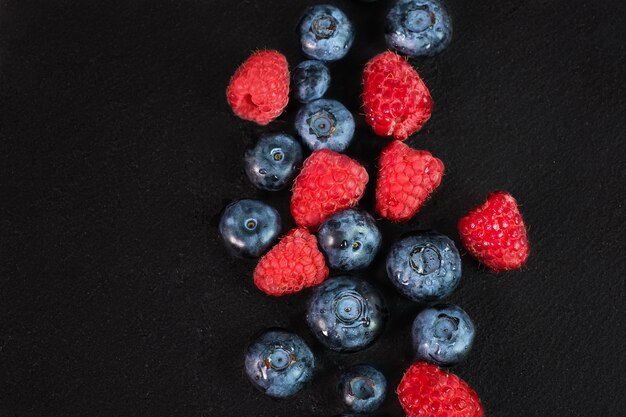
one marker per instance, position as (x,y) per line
(118,150)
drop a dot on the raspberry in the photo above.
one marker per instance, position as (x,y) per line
(427,391)
(329,182)
(494,233)
(396,100)
(406,177)
(259,90)
(292,264)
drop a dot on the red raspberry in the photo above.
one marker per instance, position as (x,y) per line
(406,177)
(292,264)
(329,182)
(494,233)
(396,100)
(259,90)
(427,391)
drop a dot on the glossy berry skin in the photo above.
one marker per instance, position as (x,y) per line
(350,239)
(406,178)
(325,124)
(279,363)
(326,33)
(310,80)
(424,266)
(395,99)
(418,27)
(273,161)
(259,89)
(363,388)
(328,183)
(249,227)
(427,391)
(346,314)
(443,334)
(292,264)
(494,233)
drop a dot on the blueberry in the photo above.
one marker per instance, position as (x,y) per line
(418,27)
(350,239)
(443,334)
(362,388)
(325,33)
(279,363)
(325,123)
(424,266)
(249,227)
(273,161)
(346,314)
(310,80)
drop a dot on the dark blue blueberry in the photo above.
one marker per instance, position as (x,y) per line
(443,334)
(325,124)
(350,239)
(418,27)
(249,227)
(311,80)
(273,161)
(424,266)
(363,388)
(346,314)
(325,33)
(279,363)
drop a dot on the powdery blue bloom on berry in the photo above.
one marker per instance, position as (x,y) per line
(273,161)
(310,81)
(326,33)
(349,239)
(326,124)
(443,334)
(424,266)
(279,363)
(249,227)
(346,314)
(418,27)
(363,388)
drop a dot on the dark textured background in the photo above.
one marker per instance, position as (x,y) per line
(118,151)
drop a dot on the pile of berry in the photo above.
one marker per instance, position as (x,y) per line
(345,312)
